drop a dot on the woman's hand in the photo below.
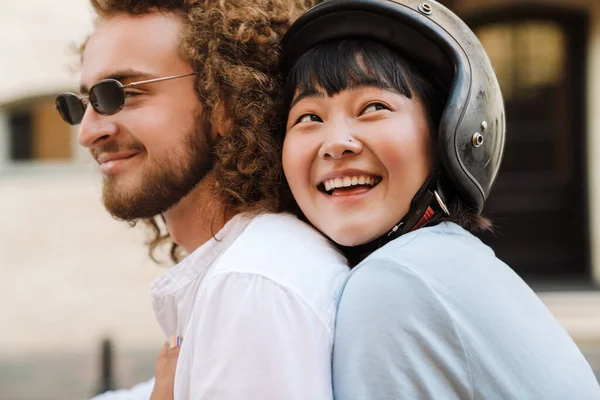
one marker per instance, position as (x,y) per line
(165,371)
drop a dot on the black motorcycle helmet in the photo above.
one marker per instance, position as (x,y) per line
(471,135)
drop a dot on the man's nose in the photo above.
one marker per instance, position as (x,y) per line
(95,128)
(339,142)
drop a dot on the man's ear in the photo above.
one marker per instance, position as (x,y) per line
(219,121)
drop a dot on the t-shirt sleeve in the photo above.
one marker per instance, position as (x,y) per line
(396,340)
(254,339)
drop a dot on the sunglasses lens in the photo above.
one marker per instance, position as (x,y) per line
(107,97)
(71,108)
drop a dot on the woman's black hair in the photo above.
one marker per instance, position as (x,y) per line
(350,63)
(346,64)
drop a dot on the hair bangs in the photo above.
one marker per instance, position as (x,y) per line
(347,64)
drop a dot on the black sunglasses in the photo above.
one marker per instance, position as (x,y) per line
(107,97)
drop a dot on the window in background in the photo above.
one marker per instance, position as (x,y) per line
(538,203)
(530,61)
(527,56)
(37,133)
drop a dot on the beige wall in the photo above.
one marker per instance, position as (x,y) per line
(35,37)
(69,273)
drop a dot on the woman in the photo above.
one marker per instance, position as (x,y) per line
(394,138)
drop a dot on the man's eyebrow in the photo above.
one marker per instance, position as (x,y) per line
(305,94)
(121,75)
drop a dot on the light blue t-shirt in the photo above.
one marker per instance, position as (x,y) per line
(435,315)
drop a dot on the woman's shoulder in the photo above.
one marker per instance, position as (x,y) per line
(445,269)
(443,265)
(437,251)
(439,238)
(470,306)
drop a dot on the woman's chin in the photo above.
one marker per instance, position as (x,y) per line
(352,240)
(351,232)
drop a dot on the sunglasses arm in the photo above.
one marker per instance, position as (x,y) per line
(167,78)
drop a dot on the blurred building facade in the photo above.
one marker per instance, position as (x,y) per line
(546,54)
(70,275)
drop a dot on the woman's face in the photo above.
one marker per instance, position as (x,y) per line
(355,160)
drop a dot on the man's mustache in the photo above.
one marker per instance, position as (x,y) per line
(116,147)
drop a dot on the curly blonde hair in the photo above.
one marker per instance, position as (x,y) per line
(234,46)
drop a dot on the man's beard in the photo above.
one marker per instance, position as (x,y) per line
(164,182)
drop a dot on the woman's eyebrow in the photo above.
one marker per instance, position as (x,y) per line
(305,94)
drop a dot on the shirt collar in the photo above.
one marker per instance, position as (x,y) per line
(174,291)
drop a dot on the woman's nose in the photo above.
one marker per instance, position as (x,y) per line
(339,142)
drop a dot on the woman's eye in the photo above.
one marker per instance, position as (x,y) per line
(374,107)
(309,118)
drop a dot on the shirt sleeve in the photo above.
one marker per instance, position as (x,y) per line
(141,391)
(396,340)
(254,339)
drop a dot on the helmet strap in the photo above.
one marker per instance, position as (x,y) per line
(426,208)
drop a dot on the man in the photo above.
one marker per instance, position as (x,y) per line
(180,106)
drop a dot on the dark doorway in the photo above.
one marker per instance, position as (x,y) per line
(20,128)
(539,202)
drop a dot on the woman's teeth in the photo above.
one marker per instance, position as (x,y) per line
(349,181)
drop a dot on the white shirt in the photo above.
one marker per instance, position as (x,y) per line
(256,308)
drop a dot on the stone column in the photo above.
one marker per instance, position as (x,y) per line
(4,140)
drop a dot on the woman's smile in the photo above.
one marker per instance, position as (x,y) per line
(356,163)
